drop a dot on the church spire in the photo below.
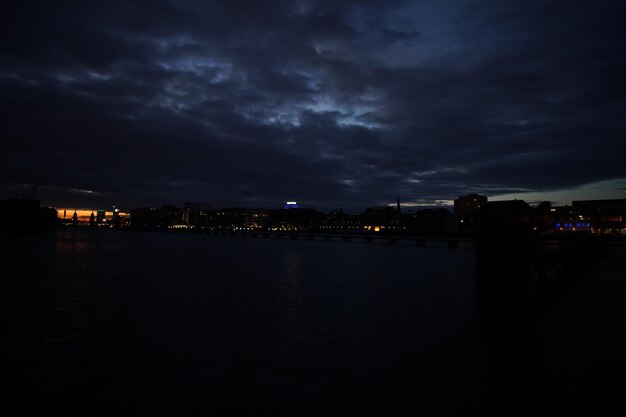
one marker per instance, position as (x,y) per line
(398,205)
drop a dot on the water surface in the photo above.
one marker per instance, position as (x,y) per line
(102,322)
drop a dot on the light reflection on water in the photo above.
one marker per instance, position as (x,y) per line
(186,324)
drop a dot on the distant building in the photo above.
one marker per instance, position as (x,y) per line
(167,215)
(144,218)
(201,218)
(605,216)
(296,219)
(24,215)
(427,222)
(381,218)
(115,219)
(258,219)
(468,205)
(338,221)
(568,219)
(184,214)
(100,216)
(465,209)
(230,218)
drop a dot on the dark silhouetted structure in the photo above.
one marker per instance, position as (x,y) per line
(504,258)
(427,222)
(607,217)
(465,209)
(24,215)
(380,218)
(258,219)
(338,221)
(296,219)
(515,266)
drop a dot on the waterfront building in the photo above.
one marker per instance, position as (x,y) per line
(568,219)
(184,214)
(296,219)
(380,218)
(338,221)
(465,209)
(167,215)
(258,219)
(427,222)
(144,217)
(607,217)
(231,218)
(116,220)
(468,205)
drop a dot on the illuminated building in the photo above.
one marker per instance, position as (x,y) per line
(568,219)
(338,221)
(465,209)
(258,219)
(296,219)
(230,218)
(607,217)
(468,205)
(380,218)
(185,214)
(115,220)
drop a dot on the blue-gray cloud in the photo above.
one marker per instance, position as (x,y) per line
(334,103)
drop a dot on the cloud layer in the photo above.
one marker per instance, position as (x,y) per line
(336,104)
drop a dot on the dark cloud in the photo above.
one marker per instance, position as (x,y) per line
(332,103)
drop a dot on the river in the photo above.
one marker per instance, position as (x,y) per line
(110,323)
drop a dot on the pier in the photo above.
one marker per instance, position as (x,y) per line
(369,238)
(514,267)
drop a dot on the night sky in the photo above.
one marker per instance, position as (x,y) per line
(330,103)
